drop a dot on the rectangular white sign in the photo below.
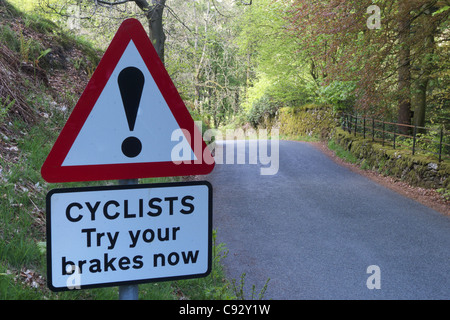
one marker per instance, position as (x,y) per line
(118,235)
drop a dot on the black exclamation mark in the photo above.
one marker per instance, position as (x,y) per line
(131,81)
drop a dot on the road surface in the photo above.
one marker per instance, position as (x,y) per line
(321,231)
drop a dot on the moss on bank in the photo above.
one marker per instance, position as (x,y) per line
(307,120)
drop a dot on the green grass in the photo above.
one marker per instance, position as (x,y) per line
(341,152)
(307,138)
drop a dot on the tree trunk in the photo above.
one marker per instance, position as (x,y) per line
(155,18)
(419,101)
(404,68)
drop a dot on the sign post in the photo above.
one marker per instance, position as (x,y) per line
(129,292)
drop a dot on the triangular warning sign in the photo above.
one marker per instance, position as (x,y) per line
(130,121)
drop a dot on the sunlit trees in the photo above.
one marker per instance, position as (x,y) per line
(382,58)
(277,71)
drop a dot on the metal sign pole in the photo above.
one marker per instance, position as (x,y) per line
(130,292)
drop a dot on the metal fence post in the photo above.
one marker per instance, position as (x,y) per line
(350,123)
(364,127)
(373,129)
(130,292)
(347,125)
(395,129)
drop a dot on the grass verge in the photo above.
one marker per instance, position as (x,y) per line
(341,152)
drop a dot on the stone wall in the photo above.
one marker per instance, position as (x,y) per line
(319,120)
(307,120)
(418,170)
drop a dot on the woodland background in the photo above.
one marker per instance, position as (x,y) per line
(236,61)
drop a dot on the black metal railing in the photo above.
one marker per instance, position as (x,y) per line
(415,138)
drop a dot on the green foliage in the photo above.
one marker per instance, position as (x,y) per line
(5,106)
(445,193)
(203,59)
(212,287)
(24,5)
(30,50)
(225,57)
(339,94)
(9,38)
(261,109)
(441,10)
(239,289)
(341,152)
(279,73)
(40,24)
(426,143)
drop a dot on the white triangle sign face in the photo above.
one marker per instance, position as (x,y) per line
(130,121)
(107,123)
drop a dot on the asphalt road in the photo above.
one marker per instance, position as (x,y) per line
(315,227)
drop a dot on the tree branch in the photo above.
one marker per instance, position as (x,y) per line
(108,3)
(177,18)
(142,4)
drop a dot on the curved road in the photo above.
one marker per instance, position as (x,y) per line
(315,227)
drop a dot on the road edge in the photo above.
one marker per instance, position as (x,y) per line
(428,197)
